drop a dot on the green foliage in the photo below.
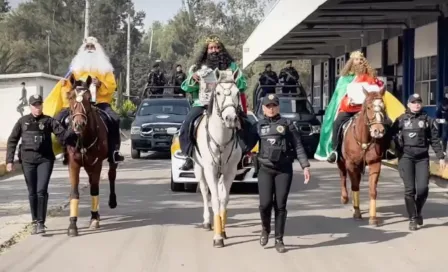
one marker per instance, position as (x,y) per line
(125,109)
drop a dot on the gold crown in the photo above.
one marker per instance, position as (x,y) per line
(357,54)
(212,40)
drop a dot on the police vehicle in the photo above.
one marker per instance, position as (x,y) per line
(299,110)
(153,117)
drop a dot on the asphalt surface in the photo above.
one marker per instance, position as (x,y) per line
(155,230)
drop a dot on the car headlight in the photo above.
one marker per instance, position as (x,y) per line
(136,130)
(315,129)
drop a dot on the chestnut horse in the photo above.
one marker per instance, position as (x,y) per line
(90,152)
(363,144)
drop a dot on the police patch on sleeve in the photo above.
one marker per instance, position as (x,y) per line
(280,129)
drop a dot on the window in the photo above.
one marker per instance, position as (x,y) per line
(426,79)
(164,107)
(316,95)
(326,95)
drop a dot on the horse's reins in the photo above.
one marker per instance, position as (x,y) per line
(220,110)
(83,113)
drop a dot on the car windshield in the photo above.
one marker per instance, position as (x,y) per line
(164,107)
(295,106)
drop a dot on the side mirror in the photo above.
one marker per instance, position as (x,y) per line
(320,113)
(171,131)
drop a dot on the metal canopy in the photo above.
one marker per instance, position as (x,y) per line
(333,23)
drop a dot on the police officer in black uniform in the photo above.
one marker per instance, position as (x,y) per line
(156,78)
(414,132)
(269,79)
(36,155)
(177,78)
(280,144)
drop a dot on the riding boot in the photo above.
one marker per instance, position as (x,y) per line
(117,157)
(265,226)
(412,212)
(41,213)
(188,165)
(33,210)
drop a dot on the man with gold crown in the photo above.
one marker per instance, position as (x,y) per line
(347,100)
(213,55)
(91,60)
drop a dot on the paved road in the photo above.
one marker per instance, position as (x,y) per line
(156,230)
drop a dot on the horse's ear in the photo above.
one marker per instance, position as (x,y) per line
(72,80)
(217,74)
(237,74)
(89,80)
(366,93)
(383,90)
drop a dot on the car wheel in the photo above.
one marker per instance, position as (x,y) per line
(176,187)
(135,154)
(191,187)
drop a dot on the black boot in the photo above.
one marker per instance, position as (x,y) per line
(117,157)
(280,222)
(412,212)
(33,228)
(266,227)
(419,203)
(33,211)
(188,165)
(332,158)
(41,213)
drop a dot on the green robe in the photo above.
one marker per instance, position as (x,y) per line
(191,86)
(325,145)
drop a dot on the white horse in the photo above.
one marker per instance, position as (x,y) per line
(218,152)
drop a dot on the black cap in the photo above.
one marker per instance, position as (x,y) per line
(270,99)
(415,98)
(156,65)
(268,65)
(289,62)
(34,99)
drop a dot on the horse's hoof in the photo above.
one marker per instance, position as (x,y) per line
(374,221)
(224,235)
(357,215)
(207,226)
(344,200)
(218,243)
(112,201)
(94,224)
(72,232)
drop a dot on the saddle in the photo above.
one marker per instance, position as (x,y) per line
(341,133)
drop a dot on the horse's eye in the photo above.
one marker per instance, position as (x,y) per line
(218,93)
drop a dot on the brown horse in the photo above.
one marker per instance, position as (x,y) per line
(363,144)
(90,151)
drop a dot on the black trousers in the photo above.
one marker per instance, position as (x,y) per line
(37,177)
(273,189)
(415,175)
(186,144)
(342,118)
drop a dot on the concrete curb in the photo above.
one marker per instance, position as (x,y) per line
(51,212)
(437,177)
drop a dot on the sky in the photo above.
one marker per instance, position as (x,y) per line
(154,10)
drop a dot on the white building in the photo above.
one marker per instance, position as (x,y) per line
(11,93)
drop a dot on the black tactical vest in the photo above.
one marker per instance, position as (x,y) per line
(34,135)
(273,144)
(414,131)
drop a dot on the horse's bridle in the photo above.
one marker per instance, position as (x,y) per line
(378,119)
(80,91)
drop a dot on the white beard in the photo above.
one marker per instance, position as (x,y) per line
(91,61)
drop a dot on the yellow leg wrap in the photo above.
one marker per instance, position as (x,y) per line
(217,224)
(223,215)
(74,207)
(355,199)
(372,209)
(95,203)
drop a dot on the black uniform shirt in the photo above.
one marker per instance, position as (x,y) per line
(293,142)
(415,132)
(35,132)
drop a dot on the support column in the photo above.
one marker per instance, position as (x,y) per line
(442,55)
(384,56)
(408,63)
(321,85)
(331,76)
(312,85)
